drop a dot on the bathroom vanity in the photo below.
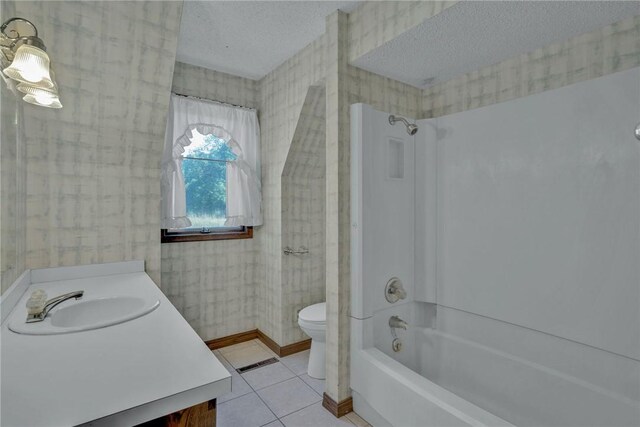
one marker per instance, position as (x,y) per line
(121,355)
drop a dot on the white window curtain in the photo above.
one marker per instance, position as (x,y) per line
(236,125)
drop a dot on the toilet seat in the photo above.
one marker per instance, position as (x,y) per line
(314,314)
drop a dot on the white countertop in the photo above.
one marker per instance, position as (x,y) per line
(119,375)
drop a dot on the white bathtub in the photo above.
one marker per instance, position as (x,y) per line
(386,392)
(446,380)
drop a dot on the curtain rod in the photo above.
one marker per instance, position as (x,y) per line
(216,102)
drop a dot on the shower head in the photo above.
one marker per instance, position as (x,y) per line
(412,128)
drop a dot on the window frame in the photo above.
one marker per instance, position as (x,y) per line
(169,236)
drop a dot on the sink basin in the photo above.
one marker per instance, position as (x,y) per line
(87,314)
(101,311)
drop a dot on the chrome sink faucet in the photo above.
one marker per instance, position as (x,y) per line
(38,312)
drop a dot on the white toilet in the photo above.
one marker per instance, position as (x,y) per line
(312,321)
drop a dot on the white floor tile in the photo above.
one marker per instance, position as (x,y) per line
(288,396)
(275,423)
(267,375)
(314,416)
(239,387)
(297,362)
(245,411)
(317,385)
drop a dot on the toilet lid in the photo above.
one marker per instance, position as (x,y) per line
(314,313)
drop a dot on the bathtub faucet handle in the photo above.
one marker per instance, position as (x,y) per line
(394,290)
(400,292)
(397,323)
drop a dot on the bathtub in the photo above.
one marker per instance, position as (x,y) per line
(388,393)
(443,379)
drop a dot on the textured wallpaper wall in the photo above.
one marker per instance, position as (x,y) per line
(303,214)
(214,284)
(197,81)
(282,94)
(337,207)
(347,85)
(615,47)
(12,183)
(12,180)
(93,168)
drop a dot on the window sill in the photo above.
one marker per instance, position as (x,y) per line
(177,237)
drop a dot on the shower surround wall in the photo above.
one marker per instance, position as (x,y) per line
(215,284)
(538,204)
(93,168)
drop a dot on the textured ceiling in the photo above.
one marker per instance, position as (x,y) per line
(473,34)
(250,38)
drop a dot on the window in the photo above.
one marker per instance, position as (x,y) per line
(204,167)
(210,177)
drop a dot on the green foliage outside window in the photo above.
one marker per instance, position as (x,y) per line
(204,167)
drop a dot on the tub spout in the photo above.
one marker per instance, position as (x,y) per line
(396,322)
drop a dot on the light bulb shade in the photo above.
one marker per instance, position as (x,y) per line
(31,89)
(49,102)
(30,65)
(39,96)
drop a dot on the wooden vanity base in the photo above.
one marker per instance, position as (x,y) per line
(202,415)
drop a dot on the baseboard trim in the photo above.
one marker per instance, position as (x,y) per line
(285,350)
(296,347)
(337,409)
(269,342)
(232,339)
(241,337)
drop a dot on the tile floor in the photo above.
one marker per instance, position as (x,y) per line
(275,395)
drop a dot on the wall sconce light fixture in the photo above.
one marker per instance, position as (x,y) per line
(24,60)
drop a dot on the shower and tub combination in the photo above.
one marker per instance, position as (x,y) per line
(496,261)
